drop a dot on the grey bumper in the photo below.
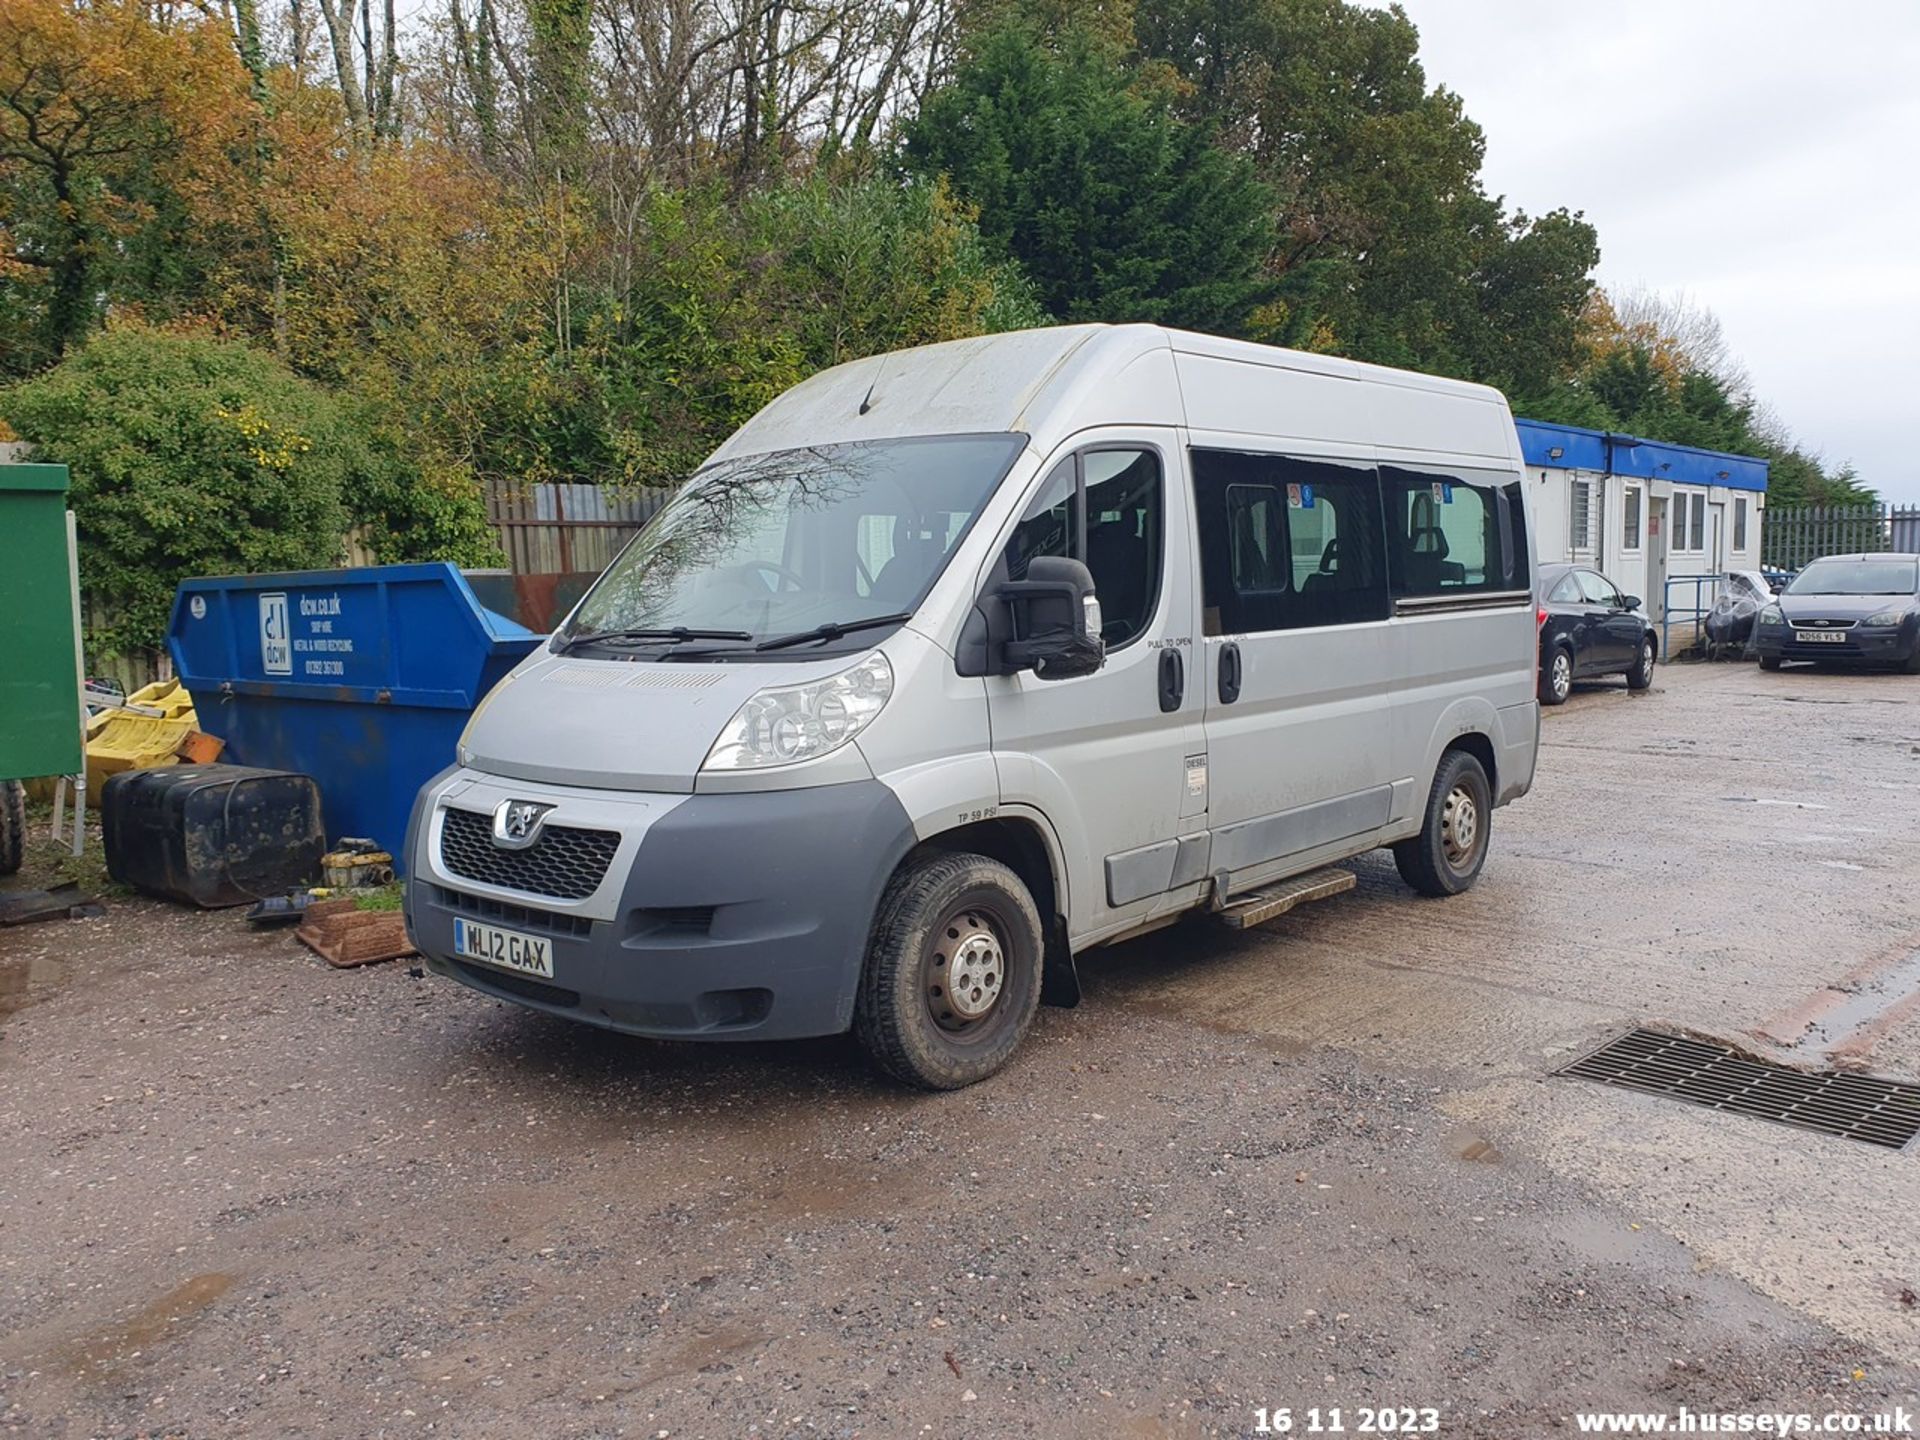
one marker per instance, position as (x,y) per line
(743,916)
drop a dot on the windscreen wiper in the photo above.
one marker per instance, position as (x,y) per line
(833,630)
(673,634)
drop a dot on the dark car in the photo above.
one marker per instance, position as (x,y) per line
(1588,628)
(1857,609)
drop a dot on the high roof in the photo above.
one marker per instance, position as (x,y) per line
(1605,452)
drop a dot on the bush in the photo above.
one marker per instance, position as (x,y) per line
(198,456)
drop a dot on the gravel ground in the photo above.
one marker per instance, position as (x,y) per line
(1318,1165)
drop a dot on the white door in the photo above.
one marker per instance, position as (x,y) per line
(1115,760)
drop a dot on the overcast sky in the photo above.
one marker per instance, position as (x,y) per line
(1762,157)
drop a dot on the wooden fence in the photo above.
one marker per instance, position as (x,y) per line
(1792,537)
(562,529)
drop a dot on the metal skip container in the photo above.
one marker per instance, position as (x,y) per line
(361,678)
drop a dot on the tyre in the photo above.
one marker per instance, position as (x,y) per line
(1912,664)
(1641,675)
(1446,856)
(1556,676)
(1769,662)
(952,973)
(13,825)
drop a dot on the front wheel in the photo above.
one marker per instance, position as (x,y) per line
(1641,675)
(1769,662)
(1446,856)
(952,973)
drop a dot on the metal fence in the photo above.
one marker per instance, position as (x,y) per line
(1792,537)
(561,529)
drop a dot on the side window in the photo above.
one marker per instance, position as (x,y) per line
(1444,533)
(1286,544)
(1121,538)
(1630,532)
(1739,522)
(1598,589)
(1567,592)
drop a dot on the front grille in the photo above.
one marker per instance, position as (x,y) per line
(1822,624)
(523,915)
(565,863)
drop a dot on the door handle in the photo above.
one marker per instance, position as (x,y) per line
(1229,673)
(1173,680)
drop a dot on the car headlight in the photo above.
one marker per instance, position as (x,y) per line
(1885,617)
(1773,615)
(786,724)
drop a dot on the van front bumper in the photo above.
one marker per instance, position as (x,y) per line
(734,916)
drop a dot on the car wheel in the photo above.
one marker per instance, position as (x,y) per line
(952,973)
(1769,662)
(13,825)
(1641,675)
(1446,856)
(1912,666)
(1556,676)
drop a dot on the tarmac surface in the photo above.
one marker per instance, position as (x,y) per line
(1325,1163)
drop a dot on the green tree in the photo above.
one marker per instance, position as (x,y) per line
(1116,208)
(1389,249)
(196,456)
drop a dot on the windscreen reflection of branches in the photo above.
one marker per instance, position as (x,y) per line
(772,543)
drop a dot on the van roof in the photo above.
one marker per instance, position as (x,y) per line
(1051,383)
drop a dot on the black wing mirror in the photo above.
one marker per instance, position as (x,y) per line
(1629,602)
(1056,620)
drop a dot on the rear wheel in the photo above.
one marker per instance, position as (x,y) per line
(1556,676)
(13,825)
(952,974)
(1446,856)
(1641,675)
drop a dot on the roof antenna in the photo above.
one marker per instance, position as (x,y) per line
(866,403)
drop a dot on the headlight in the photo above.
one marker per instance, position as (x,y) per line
(1885,617)
(791,723)
(1772,615)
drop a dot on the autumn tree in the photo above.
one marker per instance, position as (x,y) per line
(112,131)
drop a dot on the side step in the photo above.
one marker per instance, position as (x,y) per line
(1276,900)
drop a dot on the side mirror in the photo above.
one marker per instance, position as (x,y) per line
(1056,620)
(1630,602)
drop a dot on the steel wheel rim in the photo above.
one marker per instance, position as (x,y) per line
(1460,826)
(1562,680)
(1646,662)
(966,971)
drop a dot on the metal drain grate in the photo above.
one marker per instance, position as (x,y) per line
(1854,1107)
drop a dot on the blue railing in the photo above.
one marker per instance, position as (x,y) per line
(1704,591)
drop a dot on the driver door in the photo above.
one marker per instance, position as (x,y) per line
(1615,630)
(1114,760)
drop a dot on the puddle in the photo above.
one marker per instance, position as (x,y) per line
(1864,1006)
(22,982)
(160,1321)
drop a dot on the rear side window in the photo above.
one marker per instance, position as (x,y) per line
(1567,592)
(1287,543)
(1452,533)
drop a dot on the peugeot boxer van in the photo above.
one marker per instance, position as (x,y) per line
(955,663)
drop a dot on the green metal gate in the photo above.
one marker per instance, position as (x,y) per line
(39,669)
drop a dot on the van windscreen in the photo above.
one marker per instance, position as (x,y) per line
(774,545)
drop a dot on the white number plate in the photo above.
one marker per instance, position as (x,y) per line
(1821,637)
(508,949)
